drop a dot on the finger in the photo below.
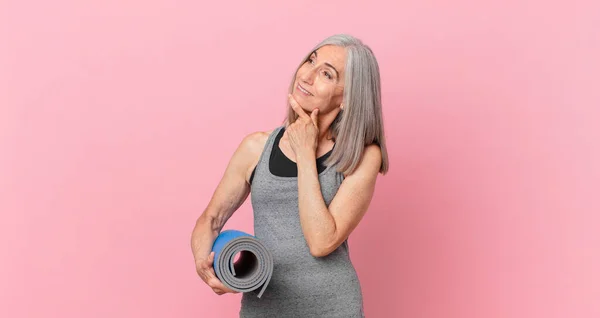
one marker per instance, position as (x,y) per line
(209,272)
(314,116)
(296,107)
(217,291)
(205,264)
(207,275)
(213,281)
(218,285)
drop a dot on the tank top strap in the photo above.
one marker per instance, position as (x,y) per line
(263,162)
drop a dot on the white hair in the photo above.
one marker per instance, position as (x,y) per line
(360,122)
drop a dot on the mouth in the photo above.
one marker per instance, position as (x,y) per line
(303,90)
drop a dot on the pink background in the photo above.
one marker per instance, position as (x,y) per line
(118,119)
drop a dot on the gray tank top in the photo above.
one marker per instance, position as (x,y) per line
(302,285)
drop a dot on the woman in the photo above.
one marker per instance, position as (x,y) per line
(312,180)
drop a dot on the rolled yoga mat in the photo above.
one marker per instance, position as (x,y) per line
(251,271)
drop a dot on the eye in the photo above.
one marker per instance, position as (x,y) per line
(327,74)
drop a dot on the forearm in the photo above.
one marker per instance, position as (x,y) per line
(203,236)
(316,221)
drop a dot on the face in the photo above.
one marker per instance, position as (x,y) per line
(320,80)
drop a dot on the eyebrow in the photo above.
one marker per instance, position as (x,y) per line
(337,74)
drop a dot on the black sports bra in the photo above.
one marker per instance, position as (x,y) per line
(282,166)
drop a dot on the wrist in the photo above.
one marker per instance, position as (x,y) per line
(305,155)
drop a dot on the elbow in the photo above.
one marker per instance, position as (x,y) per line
(324,248)
(320,251)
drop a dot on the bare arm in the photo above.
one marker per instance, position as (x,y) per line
(230,194)
(325,228)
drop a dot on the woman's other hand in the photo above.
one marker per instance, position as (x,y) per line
(205,270)
(304,132)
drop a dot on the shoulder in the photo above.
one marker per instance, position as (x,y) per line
(371,159)
(251,147)
(372,153)
(370,162)
(254,142)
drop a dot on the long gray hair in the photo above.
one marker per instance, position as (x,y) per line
(360,123)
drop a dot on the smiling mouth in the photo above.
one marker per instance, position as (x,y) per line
(303,90)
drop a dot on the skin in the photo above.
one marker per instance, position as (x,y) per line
(324,228)
(323,76)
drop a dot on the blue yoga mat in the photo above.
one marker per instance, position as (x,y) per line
(251,271)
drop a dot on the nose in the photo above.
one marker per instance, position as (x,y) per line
(308,76)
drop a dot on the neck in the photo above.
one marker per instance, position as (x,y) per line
(324,134)
(324,124)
